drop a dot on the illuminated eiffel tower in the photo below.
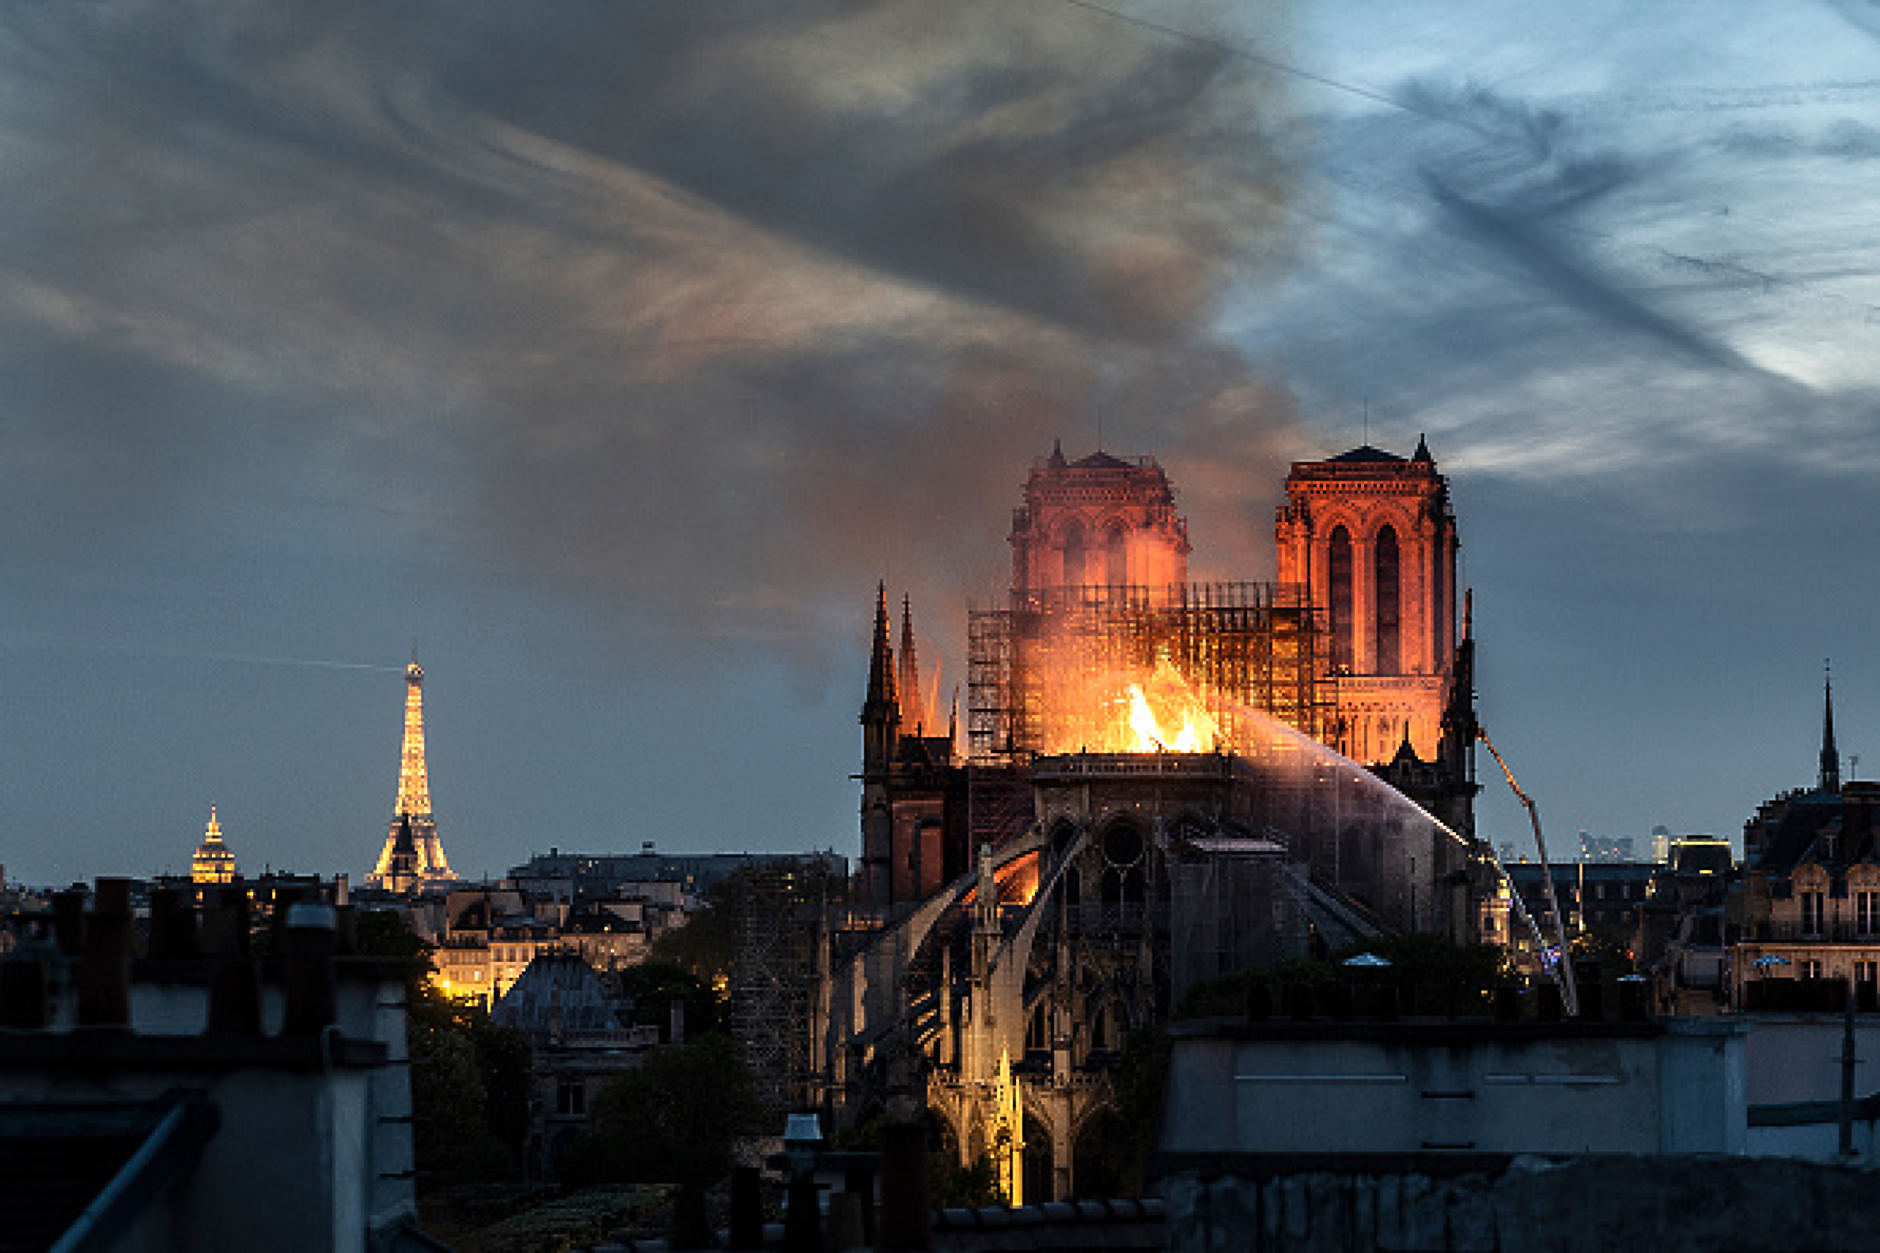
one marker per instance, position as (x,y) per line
(418,857)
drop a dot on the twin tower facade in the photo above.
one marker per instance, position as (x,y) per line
(1367,538)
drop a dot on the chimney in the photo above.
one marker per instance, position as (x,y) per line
(223,931)
(311,994)
(235,997)
(172,925)
(104,989)
(906,1217)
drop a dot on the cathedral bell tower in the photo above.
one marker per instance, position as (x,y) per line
(1371,538)
(1100,522)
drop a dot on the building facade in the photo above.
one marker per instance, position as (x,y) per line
(1100,521)
(1806,923)
(1147,798)
(1372,539)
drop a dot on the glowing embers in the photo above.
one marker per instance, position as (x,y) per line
(1125,713)
(1017,882)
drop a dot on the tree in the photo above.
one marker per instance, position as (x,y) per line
(675,1118)
(469,1078)
(655,985)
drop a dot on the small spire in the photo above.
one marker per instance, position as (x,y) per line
(1057,454)
(1830,756)
(880,701)
(909,677)
(1423,451)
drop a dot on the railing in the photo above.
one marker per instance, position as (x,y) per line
(1828,931)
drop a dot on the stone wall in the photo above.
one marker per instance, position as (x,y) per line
(1516,1204)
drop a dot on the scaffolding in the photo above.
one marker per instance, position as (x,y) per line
(780,913)
(1241,646)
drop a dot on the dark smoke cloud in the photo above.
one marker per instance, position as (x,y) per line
(720,311)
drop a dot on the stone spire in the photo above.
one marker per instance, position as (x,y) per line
(1830,755)
(881,712)
(907,686)
(881,697)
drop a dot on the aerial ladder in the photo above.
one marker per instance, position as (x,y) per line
(1561,967)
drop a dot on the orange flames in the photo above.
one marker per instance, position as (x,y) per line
(1155,713)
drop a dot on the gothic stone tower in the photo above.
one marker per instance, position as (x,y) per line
(1372,539)
(1100,522)
(913,795)
(412,812)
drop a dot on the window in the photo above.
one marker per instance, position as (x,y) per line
(1809,967)
(1074,556)
(1865,972)
(1386,613)
(1811,913)
(1867,912)
(571,1098)
(1116,564)
(1338,574)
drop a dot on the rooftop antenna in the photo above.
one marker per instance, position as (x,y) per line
(1367,420)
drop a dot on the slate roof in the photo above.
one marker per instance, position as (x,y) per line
(82,1173)
(557,983)
(1365,452)
(1795,837)
(1101,461)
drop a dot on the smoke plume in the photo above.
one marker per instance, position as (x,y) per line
(717,311)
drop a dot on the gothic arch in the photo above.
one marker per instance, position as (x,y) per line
(1389,513)
(1115,534)
(1387,586)
(1073,548)
(1341,580)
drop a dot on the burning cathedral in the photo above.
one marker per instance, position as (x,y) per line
(1158,782)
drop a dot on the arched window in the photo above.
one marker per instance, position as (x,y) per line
(1116,558)
(1074,556)
(1387,614)
(1338,574)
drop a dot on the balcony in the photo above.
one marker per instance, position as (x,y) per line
(1831,931)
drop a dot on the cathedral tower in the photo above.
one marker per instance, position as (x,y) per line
(1099,522)
(412,811)
(1371,538)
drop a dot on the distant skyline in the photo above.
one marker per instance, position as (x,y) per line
(613,354)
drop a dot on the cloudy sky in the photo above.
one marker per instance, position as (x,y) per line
(612,353)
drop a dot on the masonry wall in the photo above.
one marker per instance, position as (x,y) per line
(1479,1087)
(1666,1204)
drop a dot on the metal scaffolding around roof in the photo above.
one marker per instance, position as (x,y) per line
(1241,646)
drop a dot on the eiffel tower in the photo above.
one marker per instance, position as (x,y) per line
(397,869)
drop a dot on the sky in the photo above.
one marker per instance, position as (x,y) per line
(610,355)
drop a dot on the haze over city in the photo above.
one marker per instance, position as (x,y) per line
(611,356)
